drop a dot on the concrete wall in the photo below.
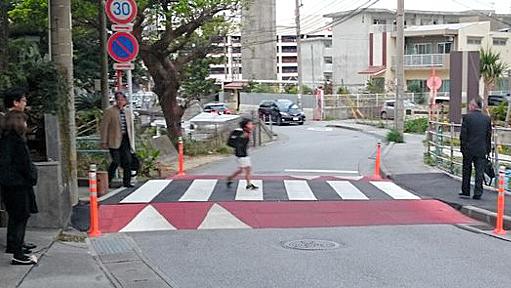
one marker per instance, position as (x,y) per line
(54,203)
(314,52)
(258,38)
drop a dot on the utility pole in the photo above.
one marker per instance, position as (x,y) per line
(400,73)
(298,51)
(105,99)
(62,56)
(313,70)
(507,99)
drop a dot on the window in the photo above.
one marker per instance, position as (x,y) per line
(289,49)
(218,39)
(444,48)
(291,69)
(218,70)
(328,60)
(499,41)
(328,44)
(328,76)
(474,40)
(236,49)
(423,48)
(218,50)
(377,21)
(236,39)
(288,39)
(289,59)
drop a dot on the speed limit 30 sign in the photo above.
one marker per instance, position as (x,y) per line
(121,11)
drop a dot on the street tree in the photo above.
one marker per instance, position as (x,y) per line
(172,34)
(196,84)
(492,69)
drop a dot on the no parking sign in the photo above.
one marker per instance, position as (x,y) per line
(122,47)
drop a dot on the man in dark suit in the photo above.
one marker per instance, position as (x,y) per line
(475,146)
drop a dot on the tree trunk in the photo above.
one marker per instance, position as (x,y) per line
(4,34)
(166,79)
(105,99)
(62,55)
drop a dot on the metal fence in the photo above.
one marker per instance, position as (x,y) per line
(443,147)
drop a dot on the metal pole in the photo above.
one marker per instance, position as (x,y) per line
(298,51)
(508,100)
(313,70)
(399,119)
(452,147)
(130,99)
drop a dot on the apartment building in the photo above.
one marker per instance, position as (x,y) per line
(360,41)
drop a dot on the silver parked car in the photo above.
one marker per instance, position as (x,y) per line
(387,111)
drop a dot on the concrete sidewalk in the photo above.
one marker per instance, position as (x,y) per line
(404,164)
(61,264)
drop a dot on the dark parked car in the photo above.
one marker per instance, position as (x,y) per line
(495,100)
(281,111)
(220,108)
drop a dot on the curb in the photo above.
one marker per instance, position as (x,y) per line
(346,127)
(482,215)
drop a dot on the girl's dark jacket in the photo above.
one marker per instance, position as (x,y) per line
(18,173)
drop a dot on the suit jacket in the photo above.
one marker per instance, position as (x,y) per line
(475,134)
(111,133)
(16,166)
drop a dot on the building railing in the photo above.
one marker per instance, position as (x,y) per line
(443,148)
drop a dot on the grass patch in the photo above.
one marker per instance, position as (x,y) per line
(197,148)
(394,136)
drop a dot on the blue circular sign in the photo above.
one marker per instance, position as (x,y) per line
(122,47)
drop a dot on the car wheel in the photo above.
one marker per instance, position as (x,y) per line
(279,121)
(383,115)
(300,123)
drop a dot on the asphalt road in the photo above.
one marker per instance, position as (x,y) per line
(309,147)
(378,256)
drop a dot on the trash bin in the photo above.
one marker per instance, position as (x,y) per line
(102,183)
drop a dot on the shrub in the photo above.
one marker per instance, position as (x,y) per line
(498,113)
(418,126)
(394,136)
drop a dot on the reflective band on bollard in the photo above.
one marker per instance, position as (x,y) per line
(93,190)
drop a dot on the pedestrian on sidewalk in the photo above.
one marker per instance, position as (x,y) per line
(18,175)
(117,136)
(475,141)
(239,140)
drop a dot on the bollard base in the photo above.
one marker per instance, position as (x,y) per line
(499,232)
(376,178)
(94,233)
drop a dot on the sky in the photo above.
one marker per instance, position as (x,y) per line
(285,8)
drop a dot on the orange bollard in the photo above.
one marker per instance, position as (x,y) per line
(499,225)
(377,165)
(181,157)
(94,215)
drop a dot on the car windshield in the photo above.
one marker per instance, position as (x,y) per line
(285,105)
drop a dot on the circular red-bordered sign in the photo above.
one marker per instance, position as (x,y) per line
(122,47)
(121,11)
(434,82)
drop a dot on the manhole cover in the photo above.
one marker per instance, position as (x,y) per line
(310,244)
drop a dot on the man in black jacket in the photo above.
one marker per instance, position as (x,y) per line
(475,141)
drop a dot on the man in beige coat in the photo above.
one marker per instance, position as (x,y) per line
(117,136)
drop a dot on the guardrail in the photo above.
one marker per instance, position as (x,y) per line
(444,151)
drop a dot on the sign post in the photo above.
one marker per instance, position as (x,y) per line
(122,45)
(434,83)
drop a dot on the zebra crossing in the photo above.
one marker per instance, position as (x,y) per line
(215,190)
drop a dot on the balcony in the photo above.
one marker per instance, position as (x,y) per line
(426,61)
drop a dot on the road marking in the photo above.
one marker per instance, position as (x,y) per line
(354,178)
(321,171)
(325,129)
(148,219)
(394,191)
(199,190)
(219,218)
(305,177)
(147,192)
(243,193)
(347,191)
(298,190)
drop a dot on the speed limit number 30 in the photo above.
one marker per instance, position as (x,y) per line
(121,11)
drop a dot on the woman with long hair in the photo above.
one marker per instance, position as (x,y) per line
(18,175)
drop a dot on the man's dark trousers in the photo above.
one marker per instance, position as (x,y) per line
(121,156)
(479,163)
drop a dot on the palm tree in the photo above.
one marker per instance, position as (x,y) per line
(492,69)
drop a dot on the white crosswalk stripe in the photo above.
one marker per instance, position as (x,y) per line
(249,195)
(200,190)
(394,191)
(299,190)
(147,192)
(347,191)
